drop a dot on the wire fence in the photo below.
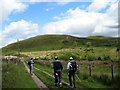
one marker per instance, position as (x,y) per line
(109,69)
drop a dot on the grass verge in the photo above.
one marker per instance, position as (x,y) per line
(16,76)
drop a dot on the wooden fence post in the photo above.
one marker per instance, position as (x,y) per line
(78,66)
(90,69)
(112,71)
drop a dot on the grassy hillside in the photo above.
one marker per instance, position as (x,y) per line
(54,42)
(82,53)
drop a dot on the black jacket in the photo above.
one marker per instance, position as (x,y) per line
(57,65)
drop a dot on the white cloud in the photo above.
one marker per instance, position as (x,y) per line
(18,30)
(59,2)
(63,2)
(7,7)
(98,5)
(10,6)
(113,10)
(56,18)
(83,23)
(75,22)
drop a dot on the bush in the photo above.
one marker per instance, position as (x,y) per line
(66,56)
(117,49)
(90,79)
(105,57)
(99,58)
(65,41)
(80,48)
(91,57)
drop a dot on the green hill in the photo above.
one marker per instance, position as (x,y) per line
(99,37)
(54,42)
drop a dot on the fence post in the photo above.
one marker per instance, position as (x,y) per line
(90,69)
(112,71)
(78,66)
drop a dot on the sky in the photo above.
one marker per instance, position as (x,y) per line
(24,19)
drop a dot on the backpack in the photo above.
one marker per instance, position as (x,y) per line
(73,66)
(29,62)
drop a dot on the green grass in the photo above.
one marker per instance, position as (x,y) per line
(50,71)
(105,53)
(56,42)
(49,81)
(16,76)
(86,80)
(46,79)
(98,69)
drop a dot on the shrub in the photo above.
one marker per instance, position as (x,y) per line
(90,57)
(105,57)
(90,79)
(99,58)
(80,48)
(117,49)
(67,55)
(65,41)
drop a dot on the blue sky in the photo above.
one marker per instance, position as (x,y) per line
(37,12)
(22,20)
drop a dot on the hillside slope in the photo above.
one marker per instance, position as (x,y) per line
(54,42)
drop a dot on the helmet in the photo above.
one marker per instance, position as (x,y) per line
(71,58)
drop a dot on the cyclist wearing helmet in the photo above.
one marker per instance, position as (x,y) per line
(57,65)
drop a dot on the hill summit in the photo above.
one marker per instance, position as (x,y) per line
(56,42)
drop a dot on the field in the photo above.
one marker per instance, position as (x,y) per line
(58,42)
(16,76)
(97,58)
(99,79)
(81,53)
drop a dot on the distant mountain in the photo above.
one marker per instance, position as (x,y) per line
(53,42)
